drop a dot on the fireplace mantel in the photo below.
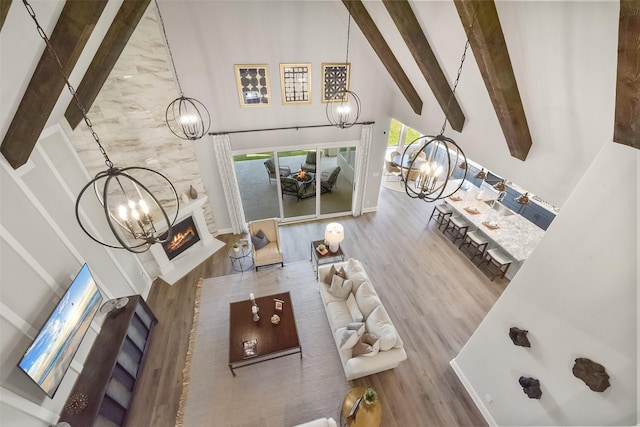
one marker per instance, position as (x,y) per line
(173,270)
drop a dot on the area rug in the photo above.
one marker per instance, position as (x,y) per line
(393,183)
(280,392)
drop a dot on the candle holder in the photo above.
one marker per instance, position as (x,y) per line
(254,310)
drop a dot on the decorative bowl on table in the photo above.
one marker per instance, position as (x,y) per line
(275,319)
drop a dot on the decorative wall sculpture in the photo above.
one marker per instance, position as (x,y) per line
(253,85)
(295,81)
(593,374)
(335,77)
(531,387)
(519,337)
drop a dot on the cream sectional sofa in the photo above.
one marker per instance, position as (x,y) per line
(342,313)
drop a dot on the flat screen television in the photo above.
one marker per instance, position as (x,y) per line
(47,359)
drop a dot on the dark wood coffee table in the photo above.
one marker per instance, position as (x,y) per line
(272,341)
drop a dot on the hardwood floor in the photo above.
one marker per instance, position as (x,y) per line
(434,294)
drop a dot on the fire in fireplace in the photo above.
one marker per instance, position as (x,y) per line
(185,235)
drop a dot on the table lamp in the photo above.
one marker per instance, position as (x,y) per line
(333,235)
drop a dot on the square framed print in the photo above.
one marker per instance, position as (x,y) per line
(253,85)
(295,81)
(334,78)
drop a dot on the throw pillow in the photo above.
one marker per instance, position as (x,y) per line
(367,299)
(259,240)
(348,339)
(355,272)
(340,288)
(366,346)
(379,323)
(332,271)
(356,315)
(357,326)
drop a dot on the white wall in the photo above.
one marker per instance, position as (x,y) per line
(41,250)
(577,297)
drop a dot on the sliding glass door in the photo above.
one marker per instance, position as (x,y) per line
(296,184)
(298,190)
(258,182)
(336,180)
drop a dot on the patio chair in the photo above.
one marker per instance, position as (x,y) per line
(271,253)
(309,164)
(270,165)
(328,179)
(291,186)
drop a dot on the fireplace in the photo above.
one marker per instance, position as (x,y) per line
(198,245)
(185,235)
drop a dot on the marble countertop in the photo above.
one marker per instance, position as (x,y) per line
(517,236)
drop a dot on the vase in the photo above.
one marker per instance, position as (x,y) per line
(192,192)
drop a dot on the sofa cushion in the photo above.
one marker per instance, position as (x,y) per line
(367,346)
(367,298)
(346,338)
(339,314)
(340,288)
(356,315)
(355,272)
(379,323)
(259,240)
(358,327)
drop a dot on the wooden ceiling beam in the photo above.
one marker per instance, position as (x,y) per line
(368,27)
(5,5)
(114,42)
(74,26)
(627,116)
(413,35)
(482,25)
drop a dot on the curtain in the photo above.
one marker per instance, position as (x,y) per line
(222,148)
(362,168)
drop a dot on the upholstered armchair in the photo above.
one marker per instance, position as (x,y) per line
(270,165)
(271,252)
(328,179)
(309,164)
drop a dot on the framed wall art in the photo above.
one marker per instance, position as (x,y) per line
(334,78)
(295,81)
(253,85)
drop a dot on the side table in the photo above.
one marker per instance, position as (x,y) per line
(327,258)
(366,415)
(241,260)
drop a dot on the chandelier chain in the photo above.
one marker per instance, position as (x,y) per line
(71,89)
(455,85)
(166,40)
(464,55)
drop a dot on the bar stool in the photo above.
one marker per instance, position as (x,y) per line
(497,259)
(477,240)
(443,212)
(458,227)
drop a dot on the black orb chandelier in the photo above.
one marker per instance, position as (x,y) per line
(187,118)
(343,109)
(130,209)
(433,163)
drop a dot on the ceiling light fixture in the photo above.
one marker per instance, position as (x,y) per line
(131,216)
(343,109)
(442,154)
(186,117)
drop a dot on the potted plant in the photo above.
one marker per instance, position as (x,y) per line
(370,396)
(322,249)
(236,246)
